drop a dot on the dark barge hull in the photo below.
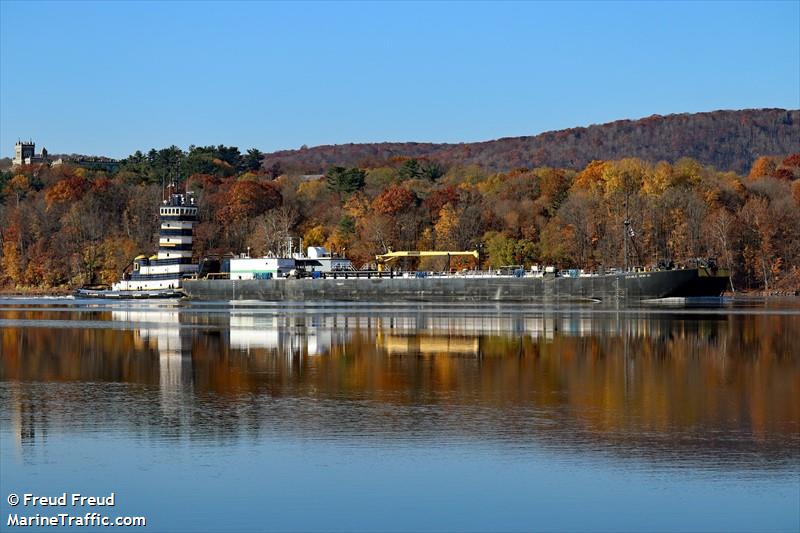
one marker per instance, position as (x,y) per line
(629,286)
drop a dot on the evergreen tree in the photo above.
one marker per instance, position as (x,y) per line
(411,169)
(252,160)
(432,171)
(345,180)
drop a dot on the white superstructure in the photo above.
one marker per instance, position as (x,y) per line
(317,259)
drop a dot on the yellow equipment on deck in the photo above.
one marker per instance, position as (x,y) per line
(383,259)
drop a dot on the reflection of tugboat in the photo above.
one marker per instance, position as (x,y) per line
(160,275)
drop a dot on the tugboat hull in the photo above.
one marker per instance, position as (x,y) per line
(127,295)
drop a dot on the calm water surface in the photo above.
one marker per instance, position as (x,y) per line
(381,417)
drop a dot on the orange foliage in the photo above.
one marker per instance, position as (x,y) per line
(555,184)
(11,261)
(66,190)
(247,199)
(357,205)
(763,167)
(394,200)
(447,227)
(590,176)
(314,236)
(117,254)
(441,197)
(19,186)
(41,270)
(101,185)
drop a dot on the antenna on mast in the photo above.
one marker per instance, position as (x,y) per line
(625,224)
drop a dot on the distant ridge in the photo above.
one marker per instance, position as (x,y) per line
(726,140)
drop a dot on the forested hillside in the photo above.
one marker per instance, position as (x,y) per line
(725,140)
(65,226)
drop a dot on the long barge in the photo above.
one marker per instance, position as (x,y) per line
(385,287)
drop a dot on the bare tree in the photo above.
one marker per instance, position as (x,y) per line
(277,227)
(721,223)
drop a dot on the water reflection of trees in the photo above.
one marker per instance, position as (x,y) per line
(649,384)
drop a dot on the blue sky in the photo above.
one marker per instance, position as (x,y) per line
(111,78)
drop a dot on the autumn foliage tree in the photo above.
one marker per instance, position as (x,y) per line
(66,190)
(763,167)
(394,200)
(246,199)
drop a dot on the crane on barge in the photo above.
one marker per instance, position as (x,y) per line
(390,256)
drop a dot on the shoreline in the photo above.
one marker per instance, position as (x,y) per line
(35,292)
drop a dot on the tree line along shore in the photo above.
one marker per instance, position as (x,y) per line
(66,226)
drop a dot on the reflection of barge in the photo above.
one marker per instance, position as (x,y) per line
(520,286)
